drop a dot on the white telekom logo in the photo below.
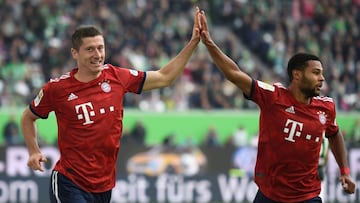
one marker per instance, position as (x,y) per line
(294,128)
(86,111)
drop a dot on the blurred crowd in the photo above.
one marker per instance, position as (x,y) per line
(260,35)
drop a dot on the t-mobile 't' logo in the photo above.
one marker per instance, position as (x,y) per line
(291,129)
(85,113)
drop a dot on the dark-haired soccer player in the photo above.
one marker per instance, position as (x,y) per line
(293,121)
(88,104)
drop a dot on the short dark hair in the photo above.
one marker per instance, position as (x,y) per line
(299,61)
(82,32)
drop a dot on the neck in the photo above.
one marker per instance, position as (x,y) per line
(86,77)
(298,95)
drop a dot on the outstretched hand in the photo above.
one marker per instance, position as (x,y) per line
(196,27)
(35,161)
(204,34)
(200,28)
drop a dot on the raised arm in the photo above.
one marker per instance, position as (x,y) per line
(337,147)
(28,128)
(167,74)
(227,66)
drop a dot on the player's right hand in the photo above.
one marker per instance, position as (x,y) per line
(35,160)
(205,35)
(347,183)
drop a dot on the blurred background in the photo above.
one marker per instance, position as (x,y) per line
(201,129)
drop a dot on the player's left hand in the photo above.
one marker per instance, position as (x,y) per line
(347,183)
(205,34)
(35,161)
(197,27)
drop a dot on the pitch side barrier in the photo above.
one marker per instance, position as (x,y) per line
(218,181)
(184,125)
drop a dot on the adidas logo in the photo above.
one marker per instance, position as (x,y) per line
(72,96)
(291,109)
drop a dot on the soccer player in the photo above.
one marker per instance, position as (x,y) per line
(88,104)
(293,120)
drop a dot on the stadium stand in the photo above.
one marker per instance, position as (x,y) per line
(259,34)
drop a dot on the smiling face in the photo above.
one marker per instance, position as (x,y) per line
(311,79)
(90,55)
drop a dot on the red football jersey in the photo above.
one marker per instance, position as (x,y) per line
(290,136)
(89,117)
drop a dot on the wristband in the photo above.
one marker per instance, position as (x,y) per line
(345,171)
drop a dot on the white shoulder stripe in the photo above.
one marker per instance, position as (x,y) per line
(265,86)
(325,99)
(64,76)
(279,85)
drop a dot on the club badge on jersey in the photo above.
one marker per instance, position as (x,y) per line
(105,86)
(134,72)
(322,117)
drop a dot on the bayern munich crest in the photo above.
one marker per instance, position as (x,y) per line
(322,117)
(105,86)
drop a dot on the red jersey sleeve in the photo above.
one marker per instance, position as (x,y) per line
(133,80)
(262,93)
(42,105)
(329,105)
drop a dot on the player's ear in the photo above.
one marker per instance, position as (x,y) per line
(74,53)
(296,74)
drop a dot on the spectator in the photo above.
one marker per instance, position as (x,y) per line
(138,132)
(355,134)
(211,137)
(12,132)
(168,144)
(240,137)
